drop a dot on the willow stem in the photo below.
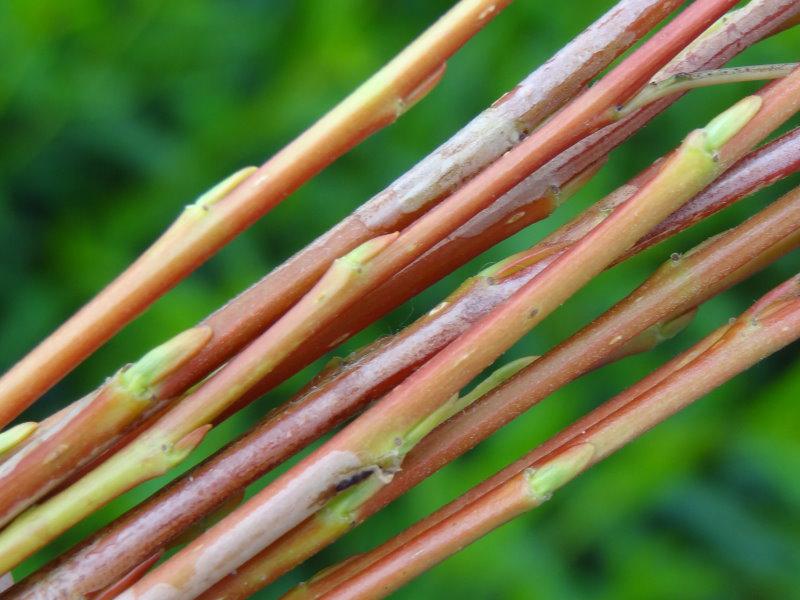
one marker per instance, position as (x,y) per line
(529,201)
(73,437)
(488,136)
(348,280)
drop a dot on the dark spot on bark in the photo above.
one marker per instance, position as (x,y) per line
(353,479)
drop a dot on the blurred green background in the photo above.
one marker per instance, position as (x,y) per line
(113,115)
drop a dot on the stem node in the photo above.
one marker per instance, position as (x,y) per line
(542,482)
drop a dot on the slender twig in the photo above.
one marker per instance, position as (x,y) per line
(722,41)
(137,390)
(772,323)
(688,81)
(759,169)
(685,281)
(345,390)
(375,440)
(645,317)
(233,206)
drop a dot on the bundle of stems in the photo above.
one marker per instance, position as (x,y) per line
(507,214)
(769,325)
(758,18)
(484,139)
(114,552)
(654,312)
(511,166)
(237,202)
(374,445)
(536,97)
(348,280)
(210,223)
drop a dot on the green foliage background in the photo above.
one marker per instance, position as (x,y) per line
(113,114)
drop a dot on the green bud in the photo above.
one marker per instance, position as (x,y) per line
(13,437)
(727,124)
(222,189)
(458,403)
(543,481)
(139,378)
(357,258)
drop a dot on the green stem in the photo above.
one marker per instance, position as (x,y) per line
(340,513)
(683,82)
